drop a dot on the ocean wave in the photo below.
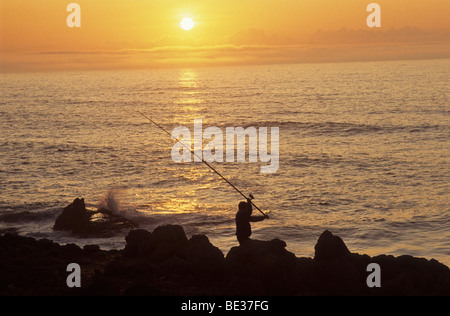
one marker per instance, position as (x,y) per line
(334,128)
(29,216)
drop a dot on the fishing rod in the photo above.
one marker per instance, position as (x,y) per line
(250,198)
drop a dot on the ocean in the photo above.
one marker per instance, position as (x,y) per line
(363,152)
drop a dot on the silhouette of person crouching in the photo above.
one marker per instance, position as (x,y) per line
(243,219)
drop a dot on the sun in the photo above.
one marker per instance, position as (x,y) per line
(187,24)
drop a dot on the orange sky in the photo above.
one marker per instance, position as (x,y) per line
(146,33)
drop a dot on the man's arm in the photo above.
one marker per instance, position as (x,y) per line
(257,218)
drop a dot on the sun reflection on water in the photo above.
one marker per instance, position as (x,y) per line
(188,102)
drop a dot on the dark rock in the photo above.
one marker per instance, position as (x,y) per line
(246,286)
(86,223)
(91,249)
(72,249)
(204,257)
(165,262)
(104,225)
(138,243)
(342,276)
(46,243)
(159,245)
(101,286)
(304,277)
(266,261)
(167,241)
(174,265)
(444,283)
(407,275)
(330,247)
(74,217)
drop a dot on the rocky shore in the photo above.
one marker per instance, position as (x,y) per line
(165,262)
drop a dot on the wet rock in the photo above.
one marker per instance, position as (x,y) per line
(74,217)
(87,223)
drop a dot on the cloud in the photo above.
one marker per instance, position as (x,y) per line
(380,35)
(322,46)
(253,36)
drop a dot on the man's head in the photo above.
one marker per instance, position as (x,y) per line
(245,208)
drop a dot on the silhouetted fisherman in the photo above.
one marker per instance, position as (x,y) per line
(243,219)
